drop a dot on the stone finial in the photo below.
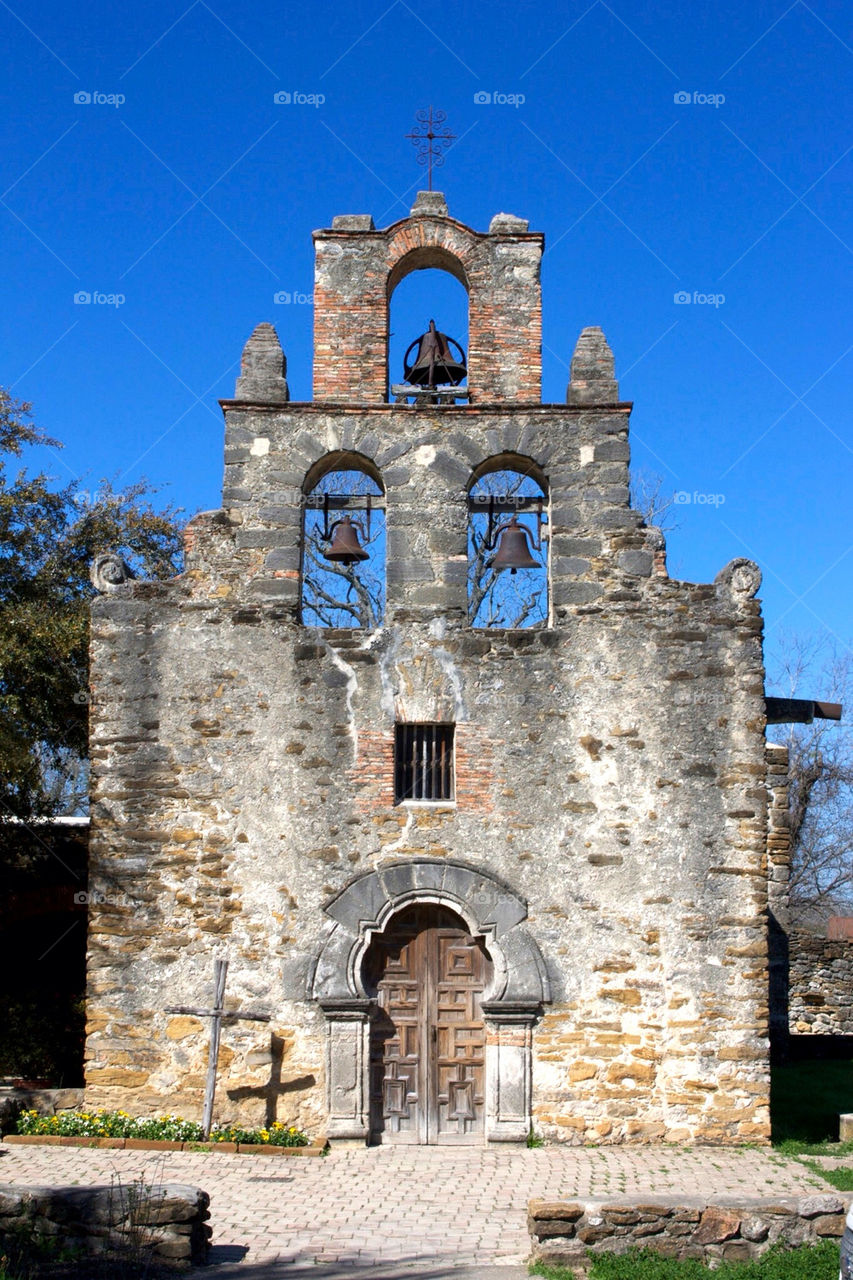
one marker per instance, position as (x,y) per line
(507,224)
(592,379)
(353,222)
(741,577)
(109,572)
(430,203)
(262,368)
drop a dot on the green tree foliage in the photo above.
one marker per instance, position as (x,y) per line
(48,538)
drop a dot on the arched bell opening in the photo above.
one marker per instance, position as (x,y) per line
(508,539)
(433,288)
(343,543)
(428,976)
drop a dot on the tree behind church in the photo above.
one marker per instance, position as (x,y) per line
(48,538)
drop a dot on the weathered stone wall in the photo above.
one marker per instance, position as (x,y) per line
(820,985)
(565,1232)
(778,913)
(167,1223)
(242,777)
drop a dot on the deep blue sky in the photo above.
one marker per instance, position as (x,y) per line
(195,199)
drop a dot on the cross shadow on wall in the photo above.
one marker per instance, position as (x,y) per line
(275,1087)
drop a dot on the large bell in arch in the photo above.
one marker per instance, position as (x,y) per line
(345,547)
(514,549)
(434,364)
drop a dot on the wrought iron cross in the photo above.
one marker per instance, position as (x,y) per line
(431,139)
(217,1015)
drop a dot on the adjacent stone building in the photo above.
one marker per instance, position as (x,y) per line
(484,878)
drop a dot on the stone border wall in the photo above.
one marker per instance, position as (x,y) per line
(563,1231)
(47,1102)
(820,979)
(168,1221)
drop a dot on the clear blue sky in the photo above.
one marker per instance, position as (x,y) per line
(195,197)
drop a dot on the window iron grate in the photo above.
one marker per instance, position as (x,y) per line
(423,762)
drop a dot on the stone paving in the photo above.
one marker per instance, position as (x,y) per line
(404,1212)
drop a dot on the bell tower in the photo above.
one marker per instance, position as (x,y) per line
(358,267)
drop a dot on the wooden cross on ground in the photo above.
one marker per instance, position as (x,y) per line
(217,1015)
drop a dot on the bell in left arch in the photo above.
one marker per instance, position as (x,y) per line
(345,547)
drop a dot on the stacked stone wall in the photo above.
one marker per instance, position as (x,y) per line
(565,1232)
(820,985)
(165,1224)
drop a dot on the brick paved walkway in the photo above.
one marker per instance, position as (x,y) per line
(403,1212)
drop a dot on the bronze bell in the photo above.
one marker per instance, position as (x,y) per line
(514,549)
(435,363)
(346,547)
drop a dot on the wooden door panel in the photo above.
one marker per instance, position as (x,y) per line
(428,1040)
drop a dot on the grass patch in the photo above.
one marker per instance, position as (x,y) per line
(841,1179)
(817,1262)
(806,1099)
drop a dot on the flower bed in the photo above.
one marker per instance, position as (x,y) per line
(118,1124)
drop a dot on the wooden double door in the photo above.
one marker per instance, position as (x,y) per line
(428,1040)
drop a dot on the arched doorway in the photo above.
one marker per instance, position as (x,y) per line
(428,975)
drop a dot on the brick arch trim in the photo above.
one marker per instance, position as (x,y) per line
(489,907)
(424,243)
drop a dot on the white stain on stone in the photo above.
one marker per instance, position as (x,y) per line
(448,666)
(587,454)
(403,837)
(260,447)
(425,456)
(352,686)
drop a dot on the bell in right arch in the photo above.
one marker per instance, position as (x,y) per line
(514,549)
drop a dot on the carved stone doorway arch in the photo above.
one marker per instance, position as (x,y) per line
(511,1004)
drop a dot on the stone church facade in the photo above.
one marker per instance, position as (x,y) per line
(567,933)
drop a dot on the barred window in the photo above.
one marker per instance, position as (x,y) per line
(423,762)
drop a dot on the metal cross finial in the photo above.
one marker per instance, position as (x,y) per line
(431,139)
